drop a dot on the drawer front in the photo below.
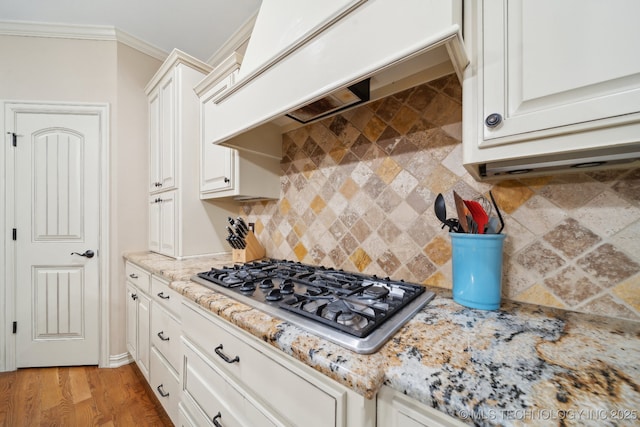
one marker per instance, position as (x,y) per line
(165,385)
(185,419)
(165,336)
(164,295)
(214,397)
(138,276)
(265,377)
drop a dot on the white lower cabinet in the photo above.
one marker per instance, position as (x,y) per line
(184,418)
(166,351)
(231,375)
(144,319)
(132,321)
(213,399)
(138,322)
(153,332)
(165,384)
(396,409)
(138,316)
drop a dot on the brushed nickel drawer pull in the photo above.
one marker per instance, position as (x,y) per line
(224,357)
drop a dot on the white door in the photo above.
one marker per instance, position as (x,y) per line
(57,217)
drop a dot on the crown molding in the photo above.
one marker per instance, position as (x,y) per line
(234,42)
(80,32)
(138,44)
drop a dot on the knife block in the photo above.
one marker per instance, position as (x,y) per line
(253,251)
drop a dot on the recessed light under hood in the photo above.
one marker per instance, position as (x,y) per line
(332,103)
(627,156)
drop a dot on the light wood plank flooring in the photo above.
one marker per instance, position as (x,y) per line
(78,396)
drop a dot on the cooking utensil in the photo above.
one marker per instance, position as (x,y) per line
(473,227)
(495,205)
(440,209)
(462,212)
(492,226)
(479,215)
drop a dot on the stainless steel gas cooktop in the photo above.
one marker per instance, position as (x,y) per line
(353,310)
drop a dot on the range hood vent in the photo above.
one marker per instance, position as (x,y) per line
(308,60)
(333,103)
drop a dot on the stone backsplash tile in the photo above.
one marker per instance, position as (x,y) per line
(358,192)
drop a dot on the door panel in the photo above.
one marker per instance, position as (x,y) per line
(57,216)
(57,186)
(57,293)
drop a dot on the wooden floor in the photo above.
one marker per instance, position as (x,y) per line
(78,396)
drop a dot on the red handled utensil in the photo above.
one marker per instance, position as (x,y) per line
(478,213)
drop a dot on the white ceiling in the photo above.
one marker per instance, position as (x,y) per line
(198,27)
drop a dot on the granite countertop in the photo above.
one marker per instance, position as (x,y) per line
(521,364)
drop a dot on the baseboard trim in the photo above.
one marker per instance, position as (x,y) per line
(117,360)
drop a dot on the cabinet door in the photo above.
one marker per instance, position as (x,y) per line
(557,67)
(216,162)
(144,322)
(132,321)
(168,108)
(163,227)
(395,409)
(154,141)
(168,222)
(217,168)
(154,224)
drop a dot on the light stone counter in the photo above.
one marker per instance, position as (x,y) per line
(522,364)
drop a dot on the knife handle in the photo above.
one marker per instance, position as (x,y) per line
(240,222)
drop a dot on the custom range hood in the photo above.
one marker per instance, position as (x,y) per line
(309,59)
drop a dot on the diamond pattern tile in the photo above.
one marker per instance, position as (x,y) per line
(358,190)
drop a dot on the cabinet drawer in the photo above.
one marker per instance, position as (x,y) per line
(165,384)
(138,276)
(165,296)
(267,379)
(215,397)
(165,336)
(185,419)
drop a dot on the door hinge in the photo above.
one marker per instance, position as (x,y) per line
(14,138)
(15,234)
(15,327)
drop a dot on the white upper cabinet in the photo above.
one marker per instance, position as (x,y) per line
(216,162)
(226,172)
(549,78)
(180,223)
(162,135)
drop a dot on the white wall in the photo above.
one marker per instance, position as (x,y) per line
(54,69)
(130,178)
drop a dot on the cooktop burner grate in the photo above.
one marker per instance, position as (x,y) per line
(355,310)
